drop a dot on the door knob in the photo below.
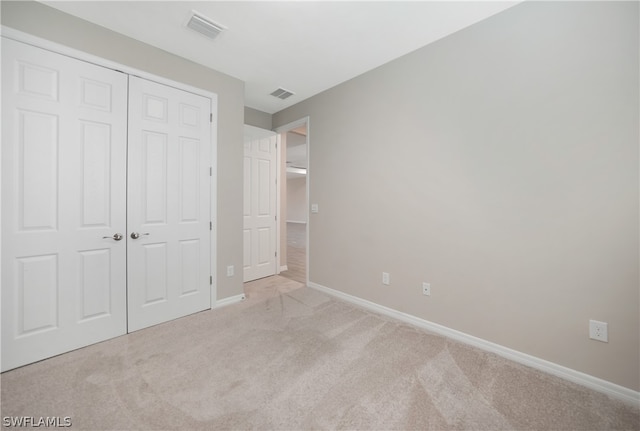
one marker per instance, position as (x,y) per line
(136,235)
(116,237)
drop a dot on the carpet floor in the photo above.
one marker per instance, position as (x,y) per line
(292,358)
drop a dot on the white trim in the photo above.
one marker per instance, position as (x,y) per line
(213,204)
(279,162)
(229,301)
(297,221)
(38,42)
(284,268)
(613,390)
(283,129)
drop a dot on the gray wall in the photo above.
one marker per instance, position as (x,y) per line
(256,118)
(500,164)
(48,23)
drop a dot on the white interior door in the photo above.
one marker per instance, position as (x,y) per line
(168,203)
(63,203)
(259,203)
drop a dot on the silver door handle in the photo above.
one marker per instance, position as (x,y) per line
(136,235)
(115,237)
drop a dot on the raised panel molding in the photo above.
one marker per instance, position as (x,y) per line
(189,266)
(264,246)
(96,173)
(155,108)
(38,171)
(154,159)
(37,293)
(189,116)
(95,279)
(95,94)
(156,283)
(264,188)
(189,184)
(247,186)
(38,81)
(246,249)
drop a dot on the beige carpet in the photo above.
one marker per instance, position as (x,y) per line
(292,358)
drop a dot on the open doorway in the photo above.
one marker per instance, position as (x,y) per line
(294,189)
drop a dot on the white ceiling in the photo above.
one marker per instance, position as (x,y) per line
(303,46)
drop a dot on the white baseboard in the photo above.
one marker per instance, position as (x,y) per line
(284,268)
(297,221)
(228,301)
(613,390)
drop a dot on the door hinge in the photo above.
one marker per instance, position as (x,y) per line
(210,171)
(276,254)
(211,279)
(210,225)
(211,117)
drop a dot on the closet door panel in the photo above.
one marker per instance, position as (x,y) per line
(168,203)
(63,200)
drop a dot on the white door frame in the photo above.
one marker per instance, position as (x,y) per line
(39,42)
(284,129)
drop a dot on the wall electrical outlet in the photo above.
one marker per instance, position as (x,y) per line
(598,331)
(230,271)
(386,279)
(426,289)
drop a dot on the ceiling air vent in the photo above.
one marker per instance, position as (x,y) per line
(281,93)
(204,25)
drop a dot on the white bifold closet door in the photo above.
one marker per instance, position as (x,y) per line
(168,203)
(64,155)
(105,203)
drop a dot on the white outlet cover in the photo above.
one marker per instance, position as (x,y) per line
(598,331)
(314,208)
(230,271)
(386,278)
(426,289)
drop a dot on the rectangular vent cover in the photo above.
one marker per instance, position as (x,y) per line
(204,25)
(281,93)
